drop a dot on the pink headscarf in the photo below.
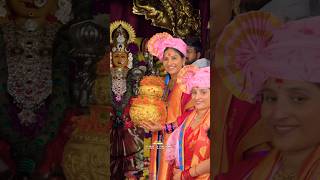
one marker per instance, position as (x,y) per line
(292,53)
(191,76)
(160,41)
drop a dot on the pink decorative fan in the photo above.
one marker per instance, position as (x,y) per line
(241,42)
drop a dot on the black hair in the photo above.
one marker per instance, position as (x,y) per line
(176,50)
(195,43)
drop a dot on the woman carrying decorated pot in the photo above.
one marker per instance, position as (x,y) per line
(171,51)
(189,146)
(279,64)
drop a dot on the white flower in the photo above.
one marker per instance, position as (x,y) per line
(130,58)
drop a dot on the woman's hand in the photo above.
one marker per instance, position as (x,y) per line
(151,126)
(177,174)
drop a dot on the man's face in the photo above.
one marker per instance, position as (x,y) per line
(192,55)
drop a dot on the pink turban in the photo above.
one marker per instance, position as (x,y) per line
(289,51)
(160,41)
(191,76)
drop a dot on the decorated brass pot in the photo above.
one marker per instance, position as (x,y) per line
(144,109)
(87,153)
(151,91)
(148,106)
(150,85)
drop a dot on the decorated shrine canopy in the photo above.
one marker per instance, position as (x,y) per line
(123,10)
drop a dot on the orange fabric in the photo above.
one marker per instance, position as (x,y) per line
(174,110)
(264,169)
(310,170)
(164,165)
(226,117)
(174,104)
(222,16)
(253,141)
(311,166)
(199,142)
(221,100)
(153,158)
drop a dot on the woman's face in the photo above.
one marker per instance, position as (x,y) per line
(120,59)
(201,98)
(27,8)
(291,110)
(172,61)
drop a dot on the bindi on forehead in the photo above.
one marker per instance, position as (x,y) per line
(279,82)
(169,54)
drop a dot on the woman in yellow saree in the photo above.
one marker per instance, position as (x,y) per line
(278,64)
(171,51)
(189,146)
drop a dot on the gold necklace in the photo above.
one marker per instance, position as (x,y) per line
(197,118)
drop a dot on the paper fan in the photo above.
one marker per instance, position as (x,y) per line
(237,48)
